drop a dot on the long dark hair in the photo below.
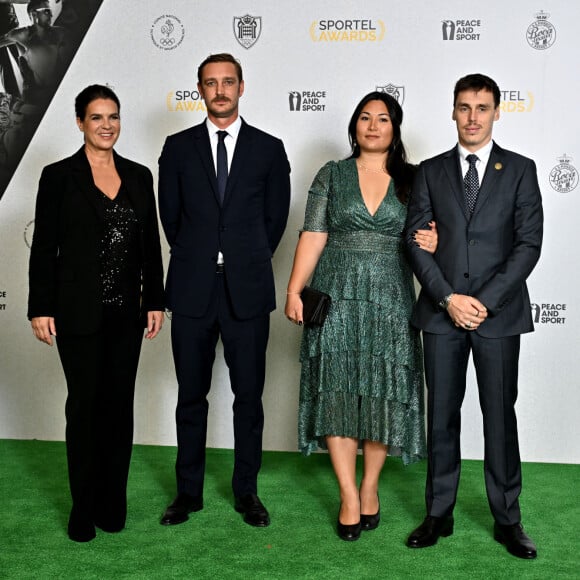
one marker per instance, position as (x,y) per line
(397,166)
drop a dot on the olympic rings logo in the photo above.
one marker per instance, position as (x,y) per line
(167,32)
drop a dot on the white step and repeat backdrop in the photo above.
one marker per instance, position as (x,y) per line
(306,64)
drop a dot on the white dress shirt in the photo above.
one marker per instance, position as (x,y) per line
(230,141)
(482,156)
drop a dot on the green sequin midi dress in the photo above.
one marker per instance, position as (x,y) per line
(362,370)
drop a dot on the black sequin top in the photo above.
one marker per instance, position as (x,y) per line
(120,254)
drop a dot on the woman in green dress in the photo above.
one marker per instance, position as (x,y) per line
(362,381)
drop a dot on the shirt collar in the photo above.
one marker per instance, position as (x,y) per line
(482,154)
(232,130)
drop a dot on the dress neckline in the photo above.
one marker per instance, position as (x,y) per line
(361,196)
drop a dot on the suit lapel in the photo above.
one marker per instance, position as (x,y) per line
(453,170)
(241,152)
(82,175)
(201,142)
(131,184)
(495,164)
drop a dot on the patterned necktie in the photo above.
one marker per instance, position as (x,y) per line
(222,164)
(471,182)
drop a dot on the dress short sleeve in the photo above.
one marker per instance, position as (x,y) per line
(315,215)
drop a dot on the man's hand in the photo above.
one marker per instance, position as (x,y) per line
(466,311)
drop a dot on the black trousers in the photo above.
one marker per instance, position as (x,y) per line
(496,367)
(194,342)
(100,372)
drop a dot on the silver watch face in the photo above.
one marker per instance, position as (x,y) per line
(445,302)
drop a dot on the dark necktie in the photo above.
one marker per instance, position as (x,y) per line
(222,164)
(471,183)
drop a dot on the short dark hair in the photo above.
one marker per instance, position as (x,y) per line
(477,82)
(90,94)
(397,165)
(221,57)
(35,5)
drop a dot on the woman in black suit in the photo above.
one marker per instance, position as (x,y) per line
(96,279)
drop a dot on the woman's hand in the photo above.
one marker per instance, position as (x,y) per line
(293,308)
(308,251)
(154,323)
(427,239)
(43,328)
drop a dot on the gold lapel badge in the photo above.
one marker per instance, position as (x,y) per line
(498,166)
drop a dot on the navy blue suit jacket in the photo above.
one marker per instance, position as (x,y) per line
(488,256)
(246,229)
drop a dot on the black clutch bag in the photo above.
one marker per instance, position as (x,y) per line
(315,305)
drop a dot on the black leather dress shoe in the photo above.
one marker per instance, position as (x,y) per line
(253,509)
(430,531)
(348,532)
(517,542)
(178,512)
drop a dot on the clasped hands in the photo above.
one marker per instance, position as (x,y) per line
(466,311)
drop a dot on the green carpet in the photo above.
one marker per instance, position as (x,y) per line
(301,542)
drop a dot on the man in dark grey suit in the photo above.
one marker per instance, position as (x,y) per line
(224,196)
(474,299)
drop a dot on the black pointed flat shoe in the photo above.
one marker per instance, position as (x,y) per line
(369,523)
(348,533)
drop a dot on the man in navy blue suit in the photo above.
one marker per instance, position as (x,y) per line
(474,299)
(224,197)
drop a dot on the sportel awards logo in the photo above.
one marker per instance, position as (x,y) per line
(167,32)
(564,177)
(541,34)
(185,101)
(247,29)
(460,29)
(549,313)
(349,30)
(397,92)
(307,100)
(516,102)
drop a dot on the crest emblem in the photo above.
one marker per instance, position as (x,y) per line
(167,32)
(396,92)
(541,34)
(564,177)
(247,29)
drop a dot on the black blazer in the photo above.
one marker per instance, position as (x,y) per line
(64,272)
(488,256)
(247,228)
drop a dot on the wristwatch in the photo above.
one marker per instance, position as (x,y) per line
(444,304)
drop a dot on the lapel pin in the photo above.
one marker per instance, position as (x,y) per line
(498,166)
